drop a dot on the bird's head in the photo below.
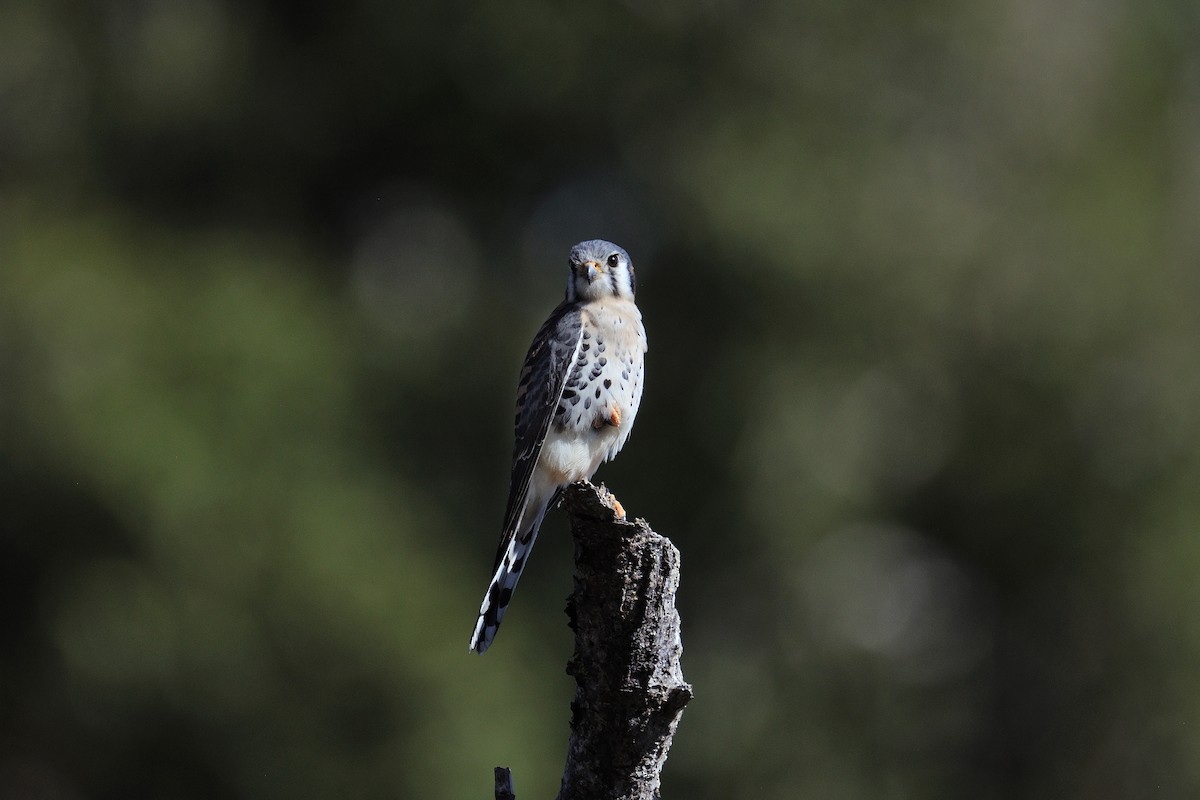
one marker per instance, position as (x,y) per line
(599,269)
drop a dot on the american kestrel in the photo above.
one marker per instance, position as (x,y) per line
(578,395)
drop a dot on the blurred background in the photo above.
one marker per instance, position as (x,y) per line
(920,282)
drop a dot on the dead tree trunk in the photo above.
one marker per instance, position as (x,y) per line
(630,691)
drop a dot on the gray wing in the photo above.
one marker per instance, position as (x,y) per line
(548,364)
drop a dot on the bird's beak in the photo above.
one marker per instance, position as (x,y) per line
(592,270)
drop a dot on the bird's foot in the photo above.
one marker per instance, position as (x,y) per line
(612,502)
(613,419)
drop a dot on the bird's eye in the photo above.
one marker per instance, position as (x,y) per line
(614,260)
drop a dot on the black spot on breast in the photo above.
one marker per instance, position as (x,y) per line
(607,384)
(587,402)
(568,393)
(599,346)
(602,361)
(597,392)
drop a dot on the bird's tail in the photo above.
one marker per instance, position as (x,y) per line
(510,562)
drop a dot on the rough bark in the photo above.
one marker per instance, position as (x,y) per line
(504,784)
(630,690)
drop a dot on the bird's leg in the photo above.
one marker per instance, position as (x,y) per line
(612,500)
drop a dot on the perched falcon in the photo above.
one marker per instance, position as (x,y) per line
(577,398)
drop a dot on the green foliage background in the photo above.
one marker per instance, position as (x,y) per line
(920,281)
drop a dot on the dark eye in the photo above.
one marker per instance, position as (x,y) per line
(614,260)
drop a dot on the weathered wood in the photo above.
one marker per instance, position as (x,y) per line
(504,784)
(630,690)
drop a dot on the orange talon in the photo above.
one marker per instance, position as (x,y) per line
(614,419)
(620,509)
